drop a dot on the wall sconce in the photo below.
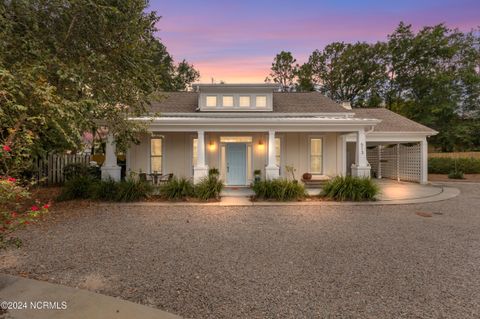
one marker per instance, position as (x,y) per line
(211,146)
(261,145)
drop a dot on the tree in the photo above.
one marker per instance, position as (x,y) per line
(434,79)
(304,78)
(350,72)
(66,63)
(283,70)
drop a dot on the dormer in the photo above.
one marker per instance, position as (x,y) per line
(235,97)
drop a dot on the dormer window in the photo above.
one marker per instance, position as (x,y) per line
(211,101)
(244,101)
(227,100)
(261,101)
(236,97)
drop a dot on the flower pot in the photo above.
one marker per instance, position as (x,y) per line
(307,176)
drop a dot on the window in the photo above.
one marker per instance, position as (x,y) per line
(316,156)
(244,101)
(227,100)
(194,151)
(261,101)
(278,150)
(211,101)
(235,139)
(156,154)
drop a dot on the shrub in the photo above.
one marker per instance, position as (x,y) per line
(456,175)
(13,213)
(176,189)
(343,188)
(213,171)
(279,189)
(73,170)
(78,187)
(132,190)
(104,190)
(79,169)
(440,165)
(209,187)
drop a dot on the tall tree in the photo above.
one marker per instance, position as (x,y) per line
(350,72)
(284,70)
(434,79)
(66,63)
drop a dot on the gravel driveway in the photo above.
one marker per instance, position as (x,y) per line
(268,262)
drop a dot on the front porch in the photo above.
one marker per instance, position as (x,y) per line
(240,155)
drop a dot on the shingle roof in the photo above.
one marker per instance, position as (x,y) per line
(391,121)
(310,102)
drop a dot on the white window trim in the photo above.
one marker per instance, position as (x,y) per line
(233,100)
(190,145)
(216,100)
(310,137)
(282,152)
(150,153)
(245,95)
(266,101)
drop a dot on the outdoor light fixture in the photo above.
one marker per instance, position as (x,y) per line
(261,146)
(211,146)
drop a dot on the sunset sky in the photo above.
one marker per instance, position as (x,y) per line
(235,41)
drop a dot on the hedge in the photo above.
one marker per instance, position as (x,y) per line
(446,165)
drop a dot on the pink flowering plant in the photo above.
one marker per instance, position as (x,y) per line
(13,213)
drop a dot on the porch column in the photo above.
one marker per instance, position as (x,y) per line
(201,169)
(379,173)
(361,168)
(424,161)
(272,171)
(110,169)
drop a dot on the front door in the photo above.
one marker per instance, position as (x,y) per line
(236,164)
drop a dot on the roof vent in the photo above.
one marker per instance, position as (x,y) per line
(346,105)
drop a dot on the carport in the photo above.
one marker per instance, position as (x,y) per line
(397,147)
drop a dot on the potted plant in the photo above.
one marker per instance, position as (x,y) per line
(307,176)
(214,172)
(258,175)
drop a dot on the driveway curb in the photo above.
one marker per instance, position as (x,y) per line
(79,303)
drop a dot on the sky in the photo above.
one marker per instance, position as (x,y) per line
(236,41)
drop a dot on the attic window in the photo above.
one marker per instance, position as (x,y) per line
(261,101)
(244,101)
(227,100)
(211,101)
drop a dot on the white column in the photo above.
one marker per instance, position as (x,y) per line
(272,171)
(201,169)
(361,168)
(379,173)
(110,169)
(424,161)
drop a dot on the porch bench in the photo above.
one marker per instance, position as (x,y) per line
(316,182)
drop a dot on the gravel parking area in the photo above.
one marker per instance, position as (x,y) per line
(268,262)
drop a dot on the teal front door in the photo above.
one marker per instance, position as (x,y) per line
(236,164)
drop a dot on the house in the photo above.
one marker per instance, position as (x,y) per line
(239,128)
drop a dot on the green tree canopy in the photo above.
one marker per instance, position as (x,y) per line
(66,63)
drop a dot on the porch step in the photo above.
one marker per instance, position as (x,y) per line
(315,183)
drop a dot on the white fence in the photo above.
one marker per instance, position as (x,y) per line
(50,169)
(400,161)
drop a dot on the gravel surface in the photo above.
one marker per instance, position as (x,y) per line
(268,262)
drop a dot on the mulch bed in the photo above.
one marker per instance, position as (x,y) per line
(444,178)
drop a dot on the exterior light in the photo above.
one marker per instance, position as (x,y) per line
(211,146)
(261,145)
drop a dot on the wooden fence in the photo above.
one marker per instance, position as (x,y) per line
(455,155)
(50,170)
